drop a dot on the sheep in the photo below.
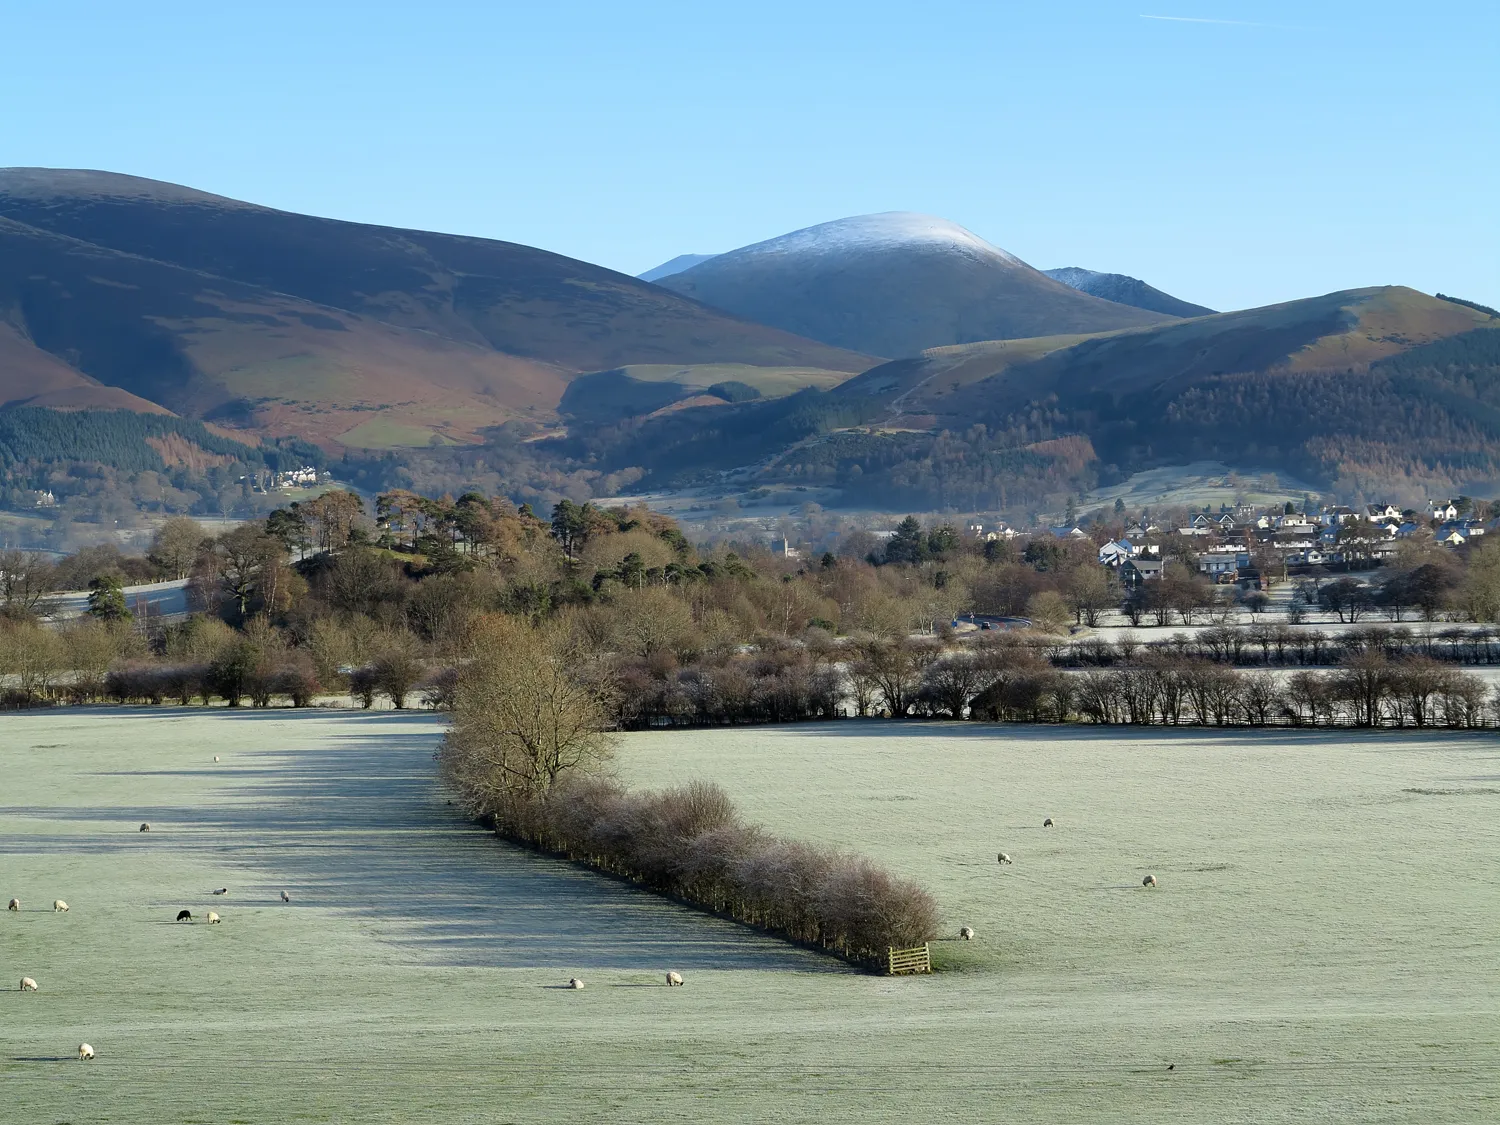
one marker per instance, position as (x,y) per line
(216,757)
(15,904)
(184,915)
(967,933)
(673,979)
(574,983)
(221,891)
(212,917)
(285,897)
(1003,858)
(145,827)
(59,906)
(1048,823)
(1149,881)
(85,1052)
(28,985)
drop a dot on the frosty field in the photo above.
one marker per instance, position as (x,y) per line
(1324,945)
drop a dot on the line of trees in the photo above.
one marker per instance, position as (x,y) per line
(1267,645)
(1014,681)
(524,753)
(325,597)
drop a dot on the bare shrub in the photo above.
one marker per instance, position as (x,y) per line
(689,842)
(440,689)
(363,686)
(395,672)
(296,682)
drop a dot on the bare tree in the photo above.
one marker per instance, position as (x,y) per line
(1090,590)
(249,565)
(522,719)
(175,546)
(1363,684)
(896,667)
(955,680)
(24,578)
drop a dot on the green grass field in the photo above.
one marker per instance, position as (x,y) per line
(1324,945)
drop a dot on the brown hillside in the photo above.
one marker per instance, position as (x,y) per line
(488,294)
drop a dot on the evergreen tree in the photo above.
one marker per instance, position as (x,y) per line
(107,599)
(908,545)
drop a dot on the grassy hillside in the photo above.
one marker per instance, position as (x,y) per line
(112,287)
(642,389)
(1374,389)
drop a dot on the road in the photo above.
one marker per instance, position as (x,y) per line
(168,599)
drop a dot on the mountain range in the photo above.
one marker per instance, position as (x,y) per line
(895,360)
(122,292)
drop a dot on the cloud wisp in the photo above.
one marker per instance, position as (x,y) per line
(1204,19)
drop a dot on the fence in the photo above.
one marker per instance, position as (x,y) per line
(917,959)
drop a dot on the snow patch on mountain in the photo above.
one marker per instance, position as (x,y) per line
(889,230)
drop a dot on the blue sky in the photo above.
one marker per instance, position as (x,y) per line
(1235,153)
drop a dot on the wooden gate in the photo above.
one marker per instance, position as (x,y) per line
(917,959)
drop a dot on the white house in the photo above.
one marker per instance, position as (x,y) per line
(1117,551)
(1455,532)
(1216,564)
(1443,510)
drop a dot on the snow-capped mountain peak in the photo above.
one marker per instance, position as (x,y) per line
(884,231)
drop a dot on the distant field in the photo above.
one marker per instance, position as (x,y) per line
(1194,485)
(1323,947)
(771,382)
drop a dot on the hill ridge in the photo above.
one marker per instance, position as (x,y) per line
(302,319)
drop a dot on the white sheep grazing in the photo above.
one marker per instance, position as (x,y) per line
(216,757)
(85,1051)
(1048,823)
(574,983)
(673,978)
(221,891)
(212,917)
(145,827)
(1149,881)
(967,933)
(15,904)
(28,985)
(59,906)
(1005,858)
(285,897)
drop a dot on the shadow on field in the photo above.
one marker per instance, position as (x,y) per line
(1073,733)
(355,822)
